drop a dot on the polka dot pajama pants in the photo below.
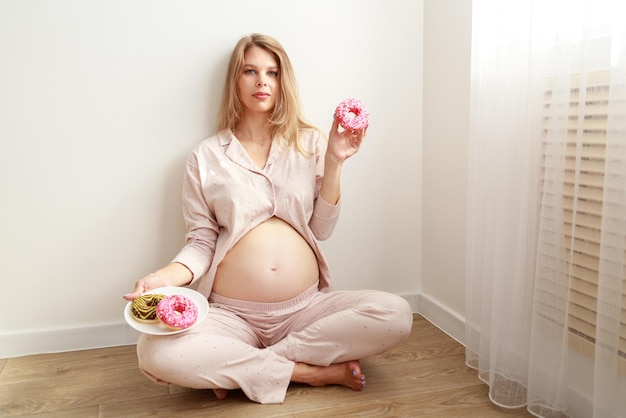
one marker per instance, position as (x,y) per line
(254,346)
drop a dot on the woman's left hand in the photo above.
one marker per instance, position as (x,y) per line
(343,145)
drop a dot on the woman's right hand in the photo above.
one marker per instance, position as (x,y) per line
(149,282)
(174,274)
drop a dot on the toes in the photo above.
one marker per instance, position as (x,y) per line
(355,366)
(360,383)
(220,393)
(358,378)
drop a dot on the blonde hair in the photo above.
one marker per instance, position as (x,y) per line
(286,119)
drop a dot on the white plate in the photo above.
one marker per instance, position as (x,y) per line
(156,328)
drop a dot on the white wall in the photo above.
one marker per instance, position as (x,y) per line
(447,46)
(100,101)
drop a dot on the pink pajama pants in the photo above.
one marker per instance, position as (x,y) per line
(254,346)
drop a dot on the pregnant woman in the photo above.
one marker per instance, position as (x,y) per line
(257,198)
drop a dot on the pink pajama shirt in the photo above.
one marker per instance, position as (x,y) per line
(225,195)
(253,346)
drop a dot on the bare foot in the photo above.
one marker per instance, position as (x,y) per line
(220,393)
(346,374)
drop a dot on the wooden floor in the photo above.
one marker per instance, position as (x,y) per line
(426,376)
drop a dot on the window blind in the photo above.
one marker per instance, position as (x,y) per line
(581,186)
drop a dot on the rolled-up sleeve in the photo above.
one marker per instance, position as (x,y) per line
(324,219)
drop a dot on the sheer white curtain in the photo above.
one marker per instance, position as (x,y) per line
(545,328)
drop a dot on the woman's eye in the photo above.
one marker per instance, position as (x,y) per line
(249,71)
(273,73)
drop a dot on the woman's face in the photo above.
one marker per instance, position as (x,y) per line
(258,82)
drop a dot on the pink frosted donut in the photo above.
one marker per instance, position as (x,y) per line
(177,312)
(352,115)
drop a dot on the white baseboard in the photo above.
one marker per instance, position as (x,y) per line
(447,320)
(66,339)
(119,333)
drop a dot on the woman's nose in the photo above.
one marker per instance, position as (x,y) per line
(261,81)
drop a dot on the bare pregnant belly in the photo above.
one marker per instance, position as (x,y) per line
(271,263)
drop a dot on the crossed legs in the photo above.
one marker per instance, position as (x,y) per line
(320,344)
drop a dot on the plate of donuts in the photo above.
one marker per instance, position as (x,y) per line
(191,305)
